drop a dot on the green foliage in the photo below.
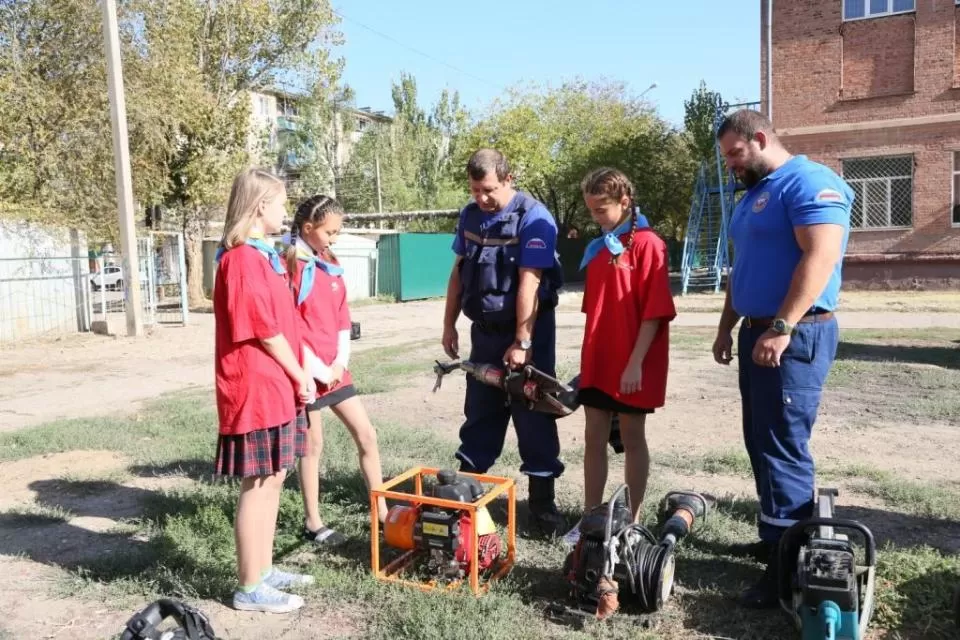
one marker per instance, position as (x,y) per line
(416,155)
(554,136)
(698,121)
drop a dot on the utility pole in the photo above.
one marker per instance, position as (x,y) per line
(379,196)
(121,161)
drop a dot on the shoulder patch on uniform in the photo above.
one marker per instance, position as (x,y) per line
(535,243)
(829,195)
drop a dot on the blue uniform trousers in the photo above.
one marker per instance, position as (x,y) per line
(488,412)
(779,408)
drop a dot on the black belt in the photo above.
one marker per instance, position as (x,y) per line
(497,327)
(765,321)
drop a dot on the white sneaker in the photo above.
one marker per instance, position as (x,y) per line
(266,599)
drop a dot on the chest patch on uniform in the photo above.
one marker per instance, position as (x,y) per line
(761,202)
(829,195)
(334,285)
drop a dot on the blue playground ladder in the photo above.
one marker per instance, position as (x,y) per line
(706,257)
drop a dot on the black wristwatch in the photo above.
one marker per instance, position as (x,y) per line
(780,326)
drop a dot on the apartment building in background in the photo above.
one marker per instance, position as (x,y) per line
(871,88)
(274,116)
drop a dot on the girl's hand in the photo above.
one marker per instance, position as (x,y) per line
(630,380)
(336,375)
(308,389)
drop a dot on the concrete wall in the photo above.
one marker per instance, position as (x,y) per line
(44,281)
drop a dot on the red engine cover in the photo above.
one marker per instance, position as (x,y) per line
(489,546)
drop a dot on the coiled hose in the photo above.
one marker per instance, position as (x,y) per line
(646,562)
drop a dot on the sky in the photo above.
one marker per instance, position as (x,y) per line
(482,48)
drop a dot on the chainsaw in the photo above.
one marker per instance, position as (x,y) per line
(537,390)
(445,534)
(829,595)
(617,560)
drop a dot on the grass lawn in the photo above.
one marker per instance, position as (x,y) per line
(184,537)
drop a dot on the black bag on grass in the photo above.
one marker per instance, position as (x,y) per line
(192,624)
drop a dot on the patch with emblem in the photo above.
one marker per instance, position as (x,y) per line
(829,195)
(535,243)
(761,202)
(334,286)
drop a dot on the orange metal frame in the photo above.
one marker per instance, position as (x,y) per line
(391,572)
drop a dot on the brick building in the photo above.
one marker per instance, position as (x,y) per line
(872,89)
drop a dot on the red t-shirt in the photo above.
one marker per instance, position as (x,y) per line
(322,316)
(252,302)
(617,298)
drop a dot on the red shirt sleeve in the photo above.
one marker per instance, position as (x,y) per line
(653,280)
(248,305)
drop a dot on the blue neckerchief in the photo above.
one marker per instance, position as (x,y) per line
(611,240)
(310,270)
(266,249)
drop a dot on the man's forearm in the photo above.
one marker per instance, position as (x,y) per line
(809,279)
(729,317)
(527,303)
(452,307)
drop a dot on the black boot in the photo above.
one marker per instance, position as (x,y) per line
(765,593)
(544,518)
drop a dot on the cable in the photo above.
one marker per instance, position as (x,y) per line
(417,51)
(645,562)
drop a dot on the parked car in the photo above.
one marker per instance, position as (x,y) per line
(110,278)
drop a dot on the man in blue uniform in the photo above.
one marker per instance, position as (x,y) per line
(505,280)
(789,233)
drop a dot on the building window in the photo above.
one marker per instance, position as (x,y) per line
(956,185)
(859,9)
(884,191)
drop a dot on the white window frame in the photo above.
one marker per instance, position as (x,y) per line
(879,14)
(888,183)
(953,182)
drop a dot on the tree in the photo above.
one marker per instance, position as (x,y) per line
(415,155)
(554,137)
(700,113)
(56,155)
(220,51)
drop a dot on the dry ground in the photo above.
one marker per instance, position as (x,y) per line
(887,436)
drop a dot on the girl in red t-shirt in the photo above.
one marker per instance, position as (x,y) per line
(324,319)
(260,384)
(624,357)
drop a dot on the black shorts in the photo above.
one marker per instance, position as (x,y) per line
(334,397)
(593,397)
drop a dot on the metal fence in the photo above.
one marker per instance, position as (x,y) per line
(883,187)
(44,296)
(163,280)
(56,295)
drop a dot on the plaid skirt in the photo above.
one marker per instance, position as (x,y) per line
(263,452)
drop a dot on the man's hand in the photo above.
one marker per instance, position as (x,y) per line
(451,342)
(515,357)
(723,347)
(336,375)
(769,347)
(631,379)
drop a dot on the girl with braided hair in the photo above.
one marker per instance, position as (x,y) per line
(624,357)
(324,319)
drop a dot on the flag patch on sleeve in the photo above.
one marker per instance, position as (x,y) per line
(535,243)
(829,195)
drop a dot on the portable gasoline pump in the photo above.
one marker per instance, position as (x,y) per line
(445,534)
(617,560)
(823,588)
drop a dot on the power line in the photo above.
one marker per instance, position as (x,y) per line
(417,51)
